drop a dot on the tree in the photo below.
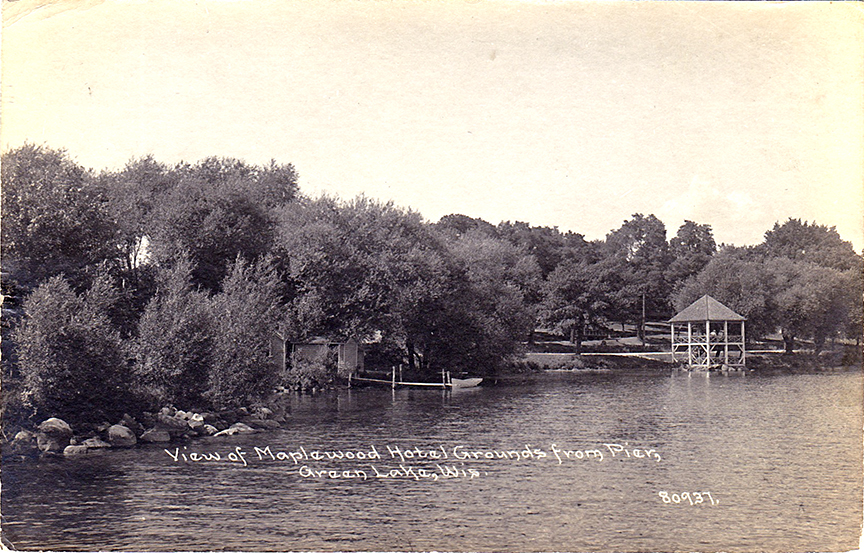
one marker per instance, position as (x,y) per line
(503,284)
(71,359)
(176,336)
(457,225)
(546,244)
(246,314)
(576,293)
(54,218)
(133,193)
(691,249)
(811,300)
(219,209)
(739,284)
(637,254)
(803,241)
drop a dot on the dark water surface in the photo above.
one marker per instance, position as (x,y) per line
(779,455)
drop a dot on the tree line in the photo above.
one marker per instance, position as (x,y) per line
(160,284)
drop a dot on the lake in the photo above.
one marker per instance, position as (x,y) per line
(562,462)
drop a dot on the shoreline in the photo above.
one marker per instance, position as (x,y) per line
(56,439)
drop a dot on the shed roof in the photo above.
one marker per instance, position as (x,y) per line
(706,308)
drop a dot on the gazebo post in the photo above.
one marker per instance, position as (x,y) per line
(726,343)
(743,344)
(673,342)
(708,344)
(690,344)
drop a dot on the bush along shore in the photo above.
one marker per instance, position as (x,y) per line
(55,437)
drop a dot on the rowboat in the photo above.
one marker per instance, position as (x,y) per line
(465,382)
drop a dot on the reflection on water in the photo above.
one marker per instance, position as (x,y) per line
(779,455)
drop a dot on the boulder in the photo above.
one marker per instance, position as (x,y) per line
(56,427)
(168,411)
(174,426)
(24,443)
(155,436)
(229,417)
(54,435)
(24,436)
(263,413)
(121,436)
(242,428)
(197,427)
(129,422)
(236,428)
(210,430)
(72,450)
(95,443)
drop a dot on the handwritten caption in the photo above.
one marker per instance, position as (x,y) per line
(416,463)
(694,498)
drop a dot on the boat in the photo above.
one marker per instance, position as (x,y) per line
(465,382)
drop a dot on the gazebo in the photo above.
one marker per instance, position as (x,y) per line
(709,334)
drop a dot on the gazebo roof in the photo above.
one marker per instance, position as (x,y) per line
(706,308)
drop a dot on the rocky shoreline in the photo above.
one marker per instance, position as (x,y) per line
(55,437)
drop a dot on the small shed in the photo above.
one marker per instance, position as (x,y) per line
(349,353)
(709,335)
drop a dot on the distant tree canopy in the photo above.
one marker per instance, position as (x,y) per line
(159,283)
(55,218)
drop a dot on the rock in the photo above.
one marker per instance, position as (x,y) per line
(242,428)
(226,432)
(263,413)
(24,443)
(54,435)
(174,426)
(210,430)
(196,417)
(197,427)
(182,415)
(236,428)
(129,422)
(168,411)
(229,417)
(24,436)
(95,443)
(210,418)
(56,427)
(155,436)
(261,423)
(121,436)
(148,419)
(72,450)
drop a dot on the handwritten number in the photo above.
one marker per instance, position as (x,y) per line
(694,498)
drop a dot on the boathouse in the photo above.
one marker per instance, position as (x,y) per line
(708,335)
(349,353)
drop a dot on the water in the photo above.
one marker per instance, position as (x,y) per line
(780,455)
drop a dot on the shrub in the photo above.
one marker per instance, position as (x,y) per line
(71,359)
(309,371)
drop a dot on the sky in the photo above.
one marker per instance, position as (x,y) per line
(567,114)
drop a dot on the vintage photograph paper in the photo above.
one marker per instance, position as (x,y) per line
(486,276)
